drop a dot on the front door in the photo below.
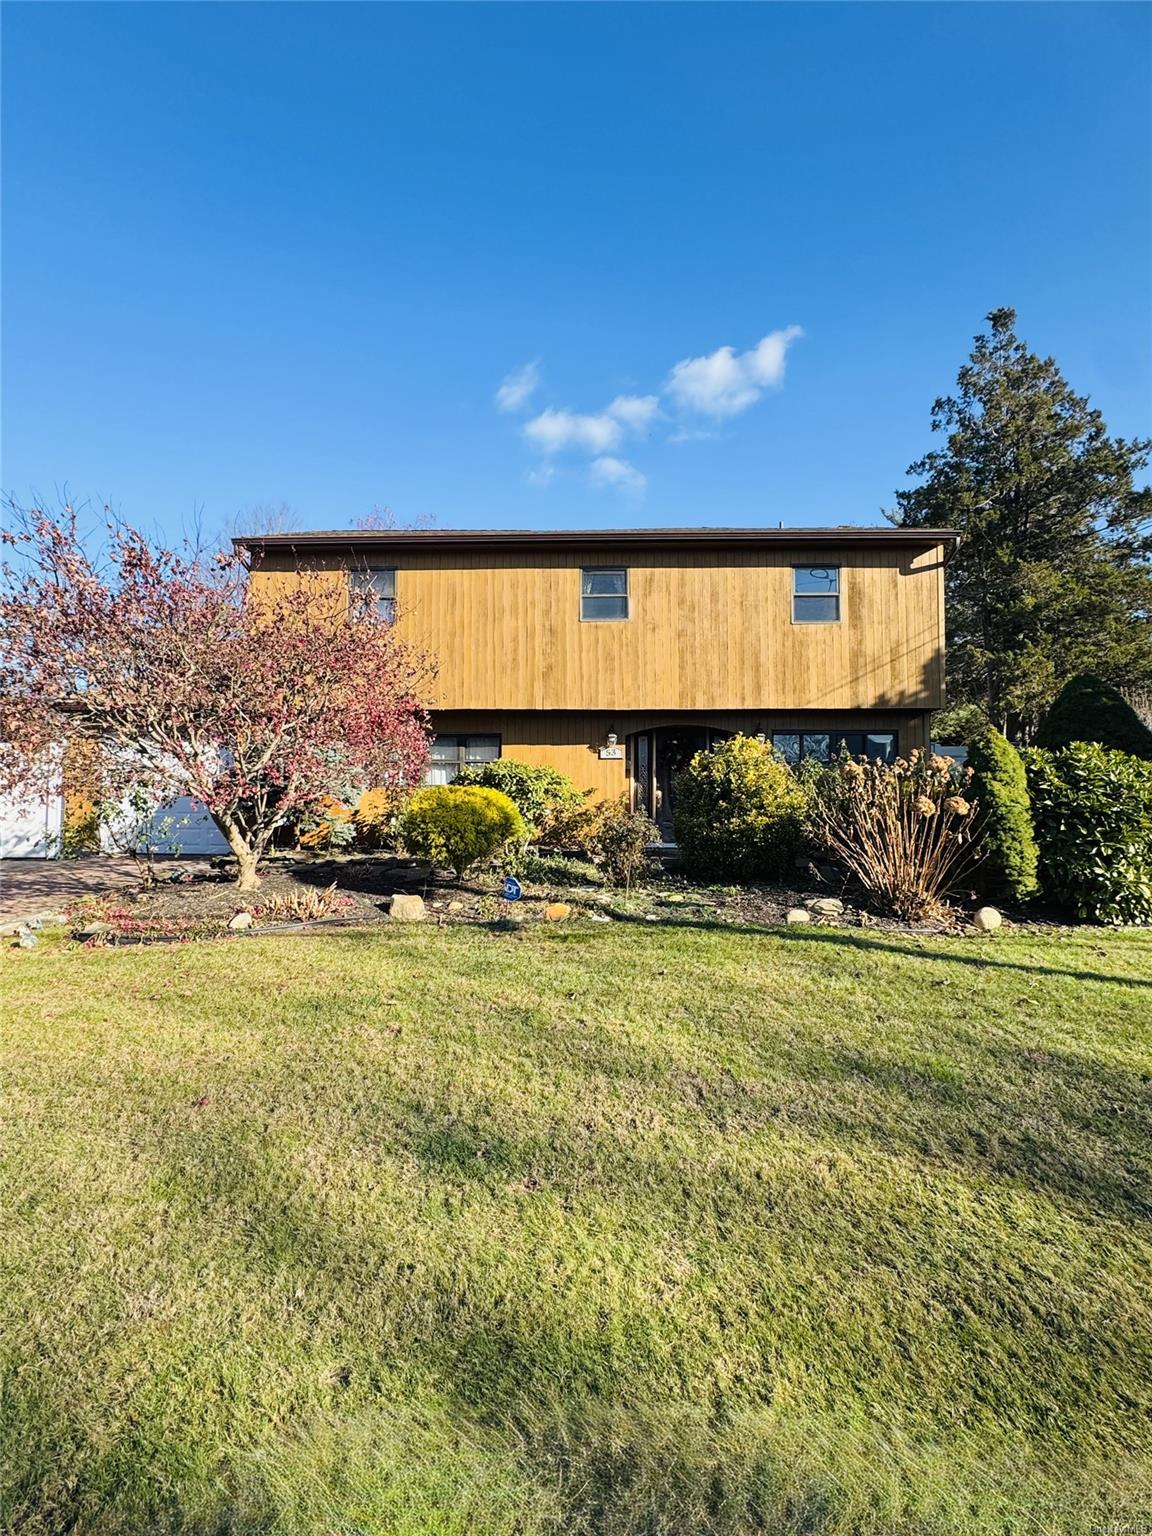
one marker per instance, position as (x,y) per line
(658,756)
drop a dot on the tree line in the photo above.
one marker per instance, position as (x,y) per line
(1053,577)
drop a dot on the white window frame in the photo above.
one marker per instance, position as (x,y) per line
(599,597)
(462,760)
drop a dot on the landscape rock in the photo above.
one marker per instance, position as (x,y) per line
(455,906)
(407,909)
(986,919)
(825,906)
(557,911)
(27,940)
(241,921)
(798,915)
(91,931)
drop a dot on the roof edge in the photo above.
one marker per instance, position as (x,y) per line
(527,538)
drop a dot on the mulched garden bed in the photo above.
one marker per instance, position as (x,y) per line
(201,903)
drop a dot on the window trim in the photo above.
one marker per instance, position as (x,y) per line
(602,596)
(364,573)
(836,737)
(803,596)
(462,738)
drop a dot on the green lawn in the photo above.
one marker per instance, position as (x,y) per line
(620,1230)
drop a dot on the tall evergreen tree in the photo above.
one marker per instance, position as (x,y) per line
(1054,574)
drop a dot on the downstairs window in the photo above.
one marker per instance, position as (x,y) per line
(450,753)
(826,746)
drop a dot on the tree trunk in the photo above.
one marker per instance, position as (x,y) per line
(247,878)
(247,857)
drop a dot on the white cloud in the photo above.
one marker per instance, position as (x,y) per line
(726,382)
(698,394)
(694,435)
(553,431)
(635,411)
(518,388)
(608,473)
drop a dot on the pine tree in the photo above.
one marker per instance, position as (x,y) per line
(1054,573)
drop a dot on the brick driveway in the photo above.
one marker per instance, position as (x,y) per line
(49,885)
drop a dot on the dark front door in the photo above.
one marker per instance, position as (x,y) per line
(659,755)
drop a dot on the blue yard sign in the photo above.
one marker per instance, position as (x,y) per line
(512,891)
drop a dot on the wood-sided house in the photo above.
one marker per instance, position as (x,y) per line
(615,655)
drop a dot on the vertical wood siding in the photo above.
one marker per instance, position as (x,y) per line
(571,741)
(708,629)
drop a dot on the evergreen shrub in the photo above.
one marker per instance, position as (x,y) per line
(458,825)
(739,812)
(1000,789)
(1087,709)
(1092,810)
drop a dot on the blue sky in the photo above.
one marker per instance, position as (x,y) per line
(264,254)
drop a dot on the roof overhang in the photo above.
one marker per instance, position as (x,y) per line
(355,540)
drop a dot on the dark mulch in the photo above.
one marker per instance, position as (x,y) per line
(202,901)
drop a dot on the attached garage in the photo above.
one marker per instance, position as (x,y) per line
(30,826)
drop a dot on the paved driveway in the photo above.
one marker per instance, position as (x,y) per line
(49,885)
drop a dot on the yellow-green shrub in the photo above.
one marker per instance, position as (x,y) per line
(739,812)
(457,825)
(543,796)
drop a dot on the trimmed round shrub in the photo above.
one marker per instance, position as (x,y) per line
(1092,810)
(1000,789)
(739,812)
(541,795)
(457,825)
(1087,709)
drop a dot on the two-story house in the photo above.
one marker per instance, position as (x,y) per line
(615,655)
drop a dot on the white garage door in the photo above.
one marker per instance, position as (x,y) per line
(30,826)
(189,827)
(180,827)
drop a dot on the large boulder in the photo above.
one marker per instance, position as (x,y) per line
(407,909)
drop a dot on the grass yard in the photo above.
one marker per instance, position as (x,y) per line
(625,1229)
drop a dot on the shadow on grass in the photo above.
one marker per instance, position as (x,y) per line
(558,1385)
(553,1385)
(911,948)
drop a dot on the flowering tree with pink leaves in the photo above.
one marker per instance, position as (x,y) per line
(192,686)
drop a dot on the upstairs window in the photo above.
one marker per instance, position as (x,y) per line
(603,593)
(448,754)
(816,594)
(377,585)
